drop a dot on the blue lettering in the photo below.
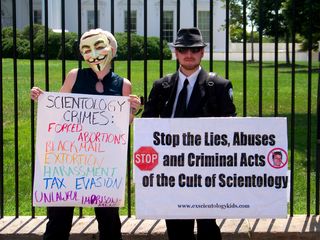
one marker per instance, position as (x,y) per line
(54,183)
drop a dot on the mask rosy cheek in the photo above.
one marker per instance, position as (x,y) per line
(86,56)
(104,52)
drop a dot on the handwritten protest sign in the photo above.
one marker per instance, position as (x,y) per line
(81,150)
(210,168)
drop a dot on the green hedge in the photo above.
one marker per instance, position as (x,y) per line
(137,46)
(55,46)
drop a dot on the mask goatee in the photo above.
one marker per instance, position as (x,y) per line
(98,66)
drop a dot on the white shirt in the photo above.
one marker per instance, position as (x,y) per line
(192,80)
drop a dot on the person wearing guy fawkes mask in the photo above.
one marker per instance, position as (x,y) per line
(98,48)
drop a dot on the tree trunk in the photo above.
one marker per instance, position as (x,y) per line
(252,46)
(287,48)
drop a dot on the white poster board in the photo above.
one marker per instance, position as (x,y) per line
(210,168)
(81,150)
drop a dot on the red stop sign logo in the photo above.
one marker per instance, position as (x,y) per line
(146,158)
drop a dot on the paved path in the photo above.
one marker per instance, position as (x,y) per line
(297,227)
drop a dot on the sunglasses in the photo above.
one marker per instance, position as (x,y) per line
(184,50)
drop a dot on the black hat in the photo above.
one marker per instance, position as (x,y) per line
(189,37)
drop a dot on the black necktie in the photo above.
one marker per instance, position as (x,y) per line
(181,107)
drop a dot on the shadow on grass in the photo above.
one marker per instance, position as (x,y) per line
(285,67)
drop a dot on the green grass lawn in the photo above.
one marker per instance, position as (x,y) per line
(137,79)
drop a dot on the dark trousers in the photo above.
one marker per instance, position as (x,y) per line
(207,229)
(60,223)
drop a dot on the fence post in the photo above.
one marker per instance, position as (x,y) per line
(318,138)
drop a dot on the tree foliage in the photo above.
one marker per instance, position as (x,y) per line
(303,18)
(279,18)
(267,16)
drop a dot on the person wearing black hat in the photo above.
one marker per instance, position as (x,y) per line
(190,92)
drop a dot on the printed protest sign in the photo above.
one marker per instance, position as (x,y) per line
(81,150)
(210,168)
